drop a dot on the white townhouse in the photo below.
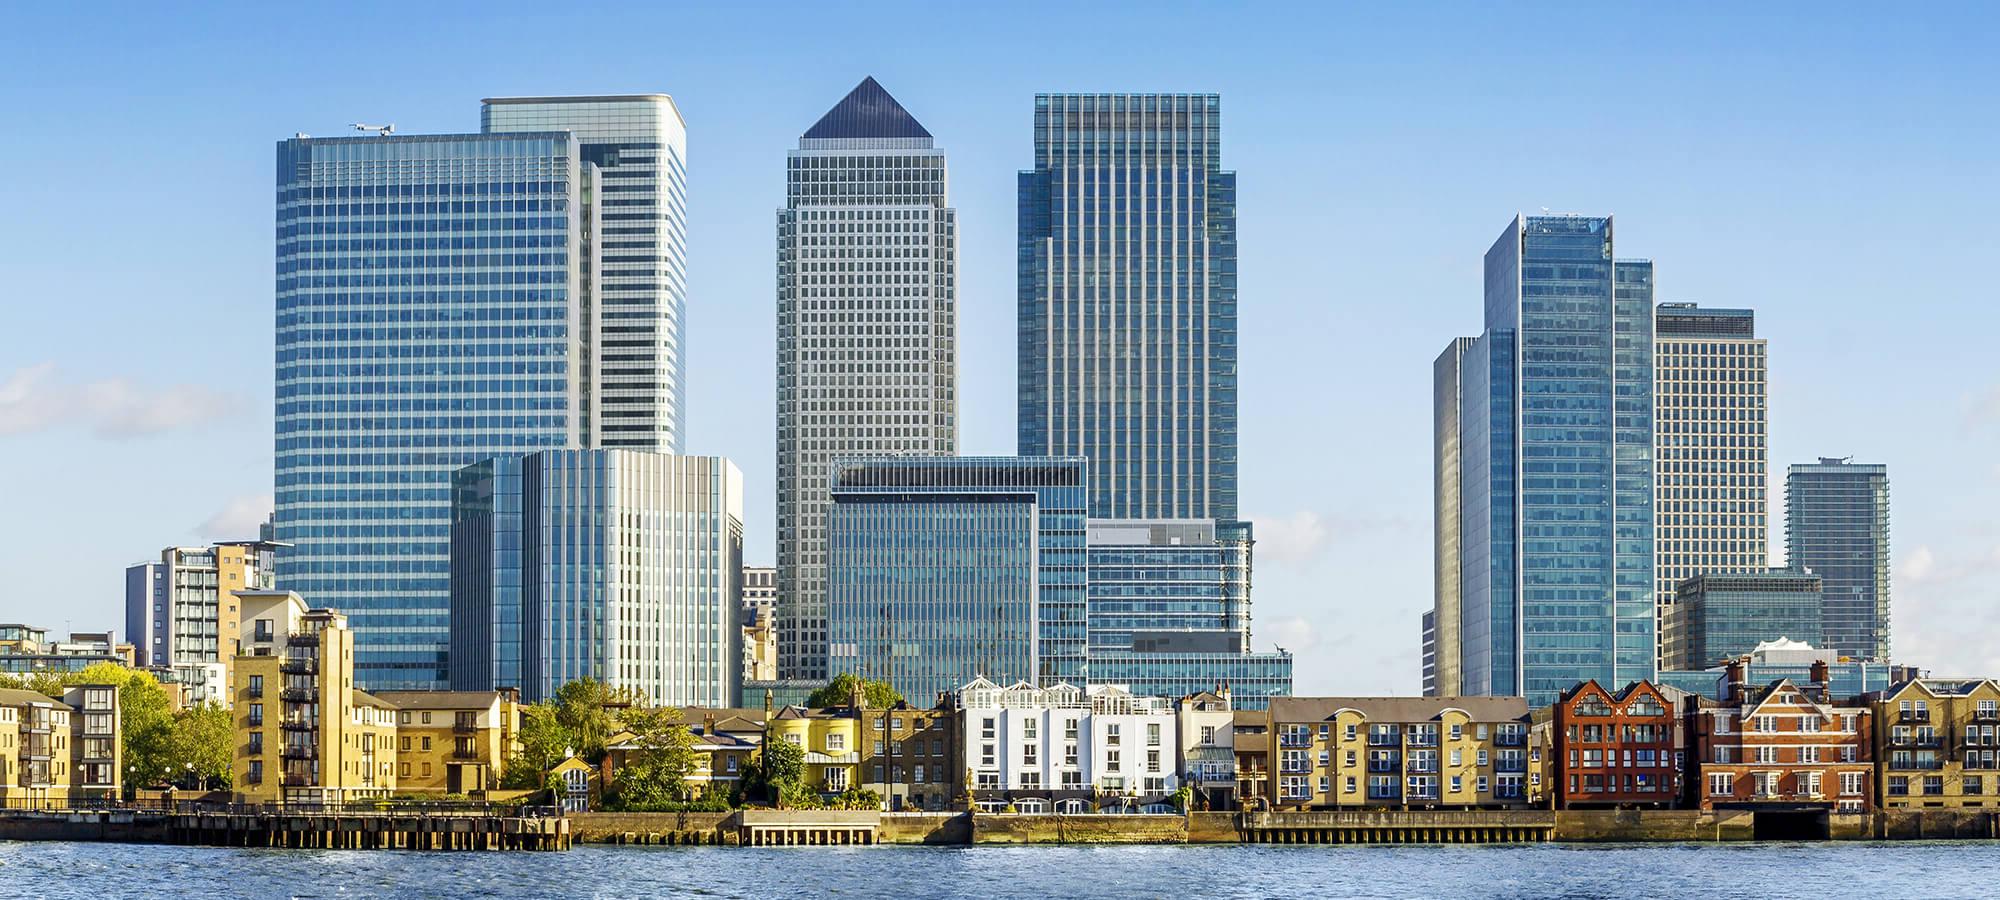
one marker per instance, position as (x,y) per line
(1067,749)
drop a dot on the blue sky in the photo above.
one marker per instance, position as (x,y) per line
(1835,168)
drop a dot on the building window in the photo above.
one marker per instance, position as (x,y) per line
(1028,729)
(1850,783)
(986,728)
(836,779)
(256,714)
(836,742)
(1208,735)
(1152,734)
(1933,784)
(1899,786)
(255,775)
(1719,784)
(1111,736)
(256,685)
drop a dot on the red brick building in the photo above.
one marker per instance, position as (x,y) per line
(1783,746)
(1619,749)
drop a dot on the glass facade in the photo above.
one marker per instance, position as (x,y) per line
(867,322)
(1441,623)
(944,569)
(1556,445)
(1716,616)
(1127,283)
(629,570)
(428,290)
(1837,524)
(1709,435)
(638,145)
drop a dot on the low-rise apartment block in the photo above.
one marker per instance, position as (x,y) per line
(453,742)
(56,752)
(1783,746)
(1598,748)
(910,756)
(1398,752)
(1939,744)
(306,735)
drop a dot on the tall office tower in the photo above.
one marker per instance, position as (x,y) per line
(638,144)
(1169,610)
(1837,524)
(430,298)
(628,570)
(1442,623)
(943,569)
(146,612)
(1709,429)
(1556,437)
(1720,616)
(1128,301)
(867,321)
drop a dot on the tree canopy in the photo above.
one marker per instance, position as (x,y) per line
(840,692)
(159,742)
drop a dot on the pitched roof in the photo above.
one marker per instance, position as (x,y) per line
(363,698)
(867,112)
(18,697)
(438,699)
(1398,709)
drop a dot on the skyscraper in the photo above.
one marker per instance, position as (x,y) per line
(1709,432)
(1556,429)
(1127,285)
(1837,524)
(867,321)
(429,314)
(627,567)
(637,367)
(1442,624)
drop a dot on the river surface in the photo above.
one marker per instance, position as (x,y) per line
(1832,870)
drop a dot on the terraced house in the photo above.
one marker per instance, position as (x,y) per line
(1783,747)
(1938,742)
(1067,749)
(1398,752)
(453,742)
(1602,748)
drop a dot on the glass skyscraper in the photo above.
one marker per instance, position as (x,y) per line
(1716,616)
(429,290)
(1127,262)
(867,322)
(1441,622)
(620,565)
(1556,428)
(1837,524)
(1170,610)
(943,569)
(638,144)
(1709,424)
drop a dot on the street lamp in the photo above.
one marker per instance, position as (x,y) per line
(190,776)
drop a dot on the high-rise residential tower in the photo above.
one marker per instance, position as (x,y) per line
(1442,621)
(867,322)
(1127,343)
(1709,418)
(1837,524)
(637,367)
(1556,451)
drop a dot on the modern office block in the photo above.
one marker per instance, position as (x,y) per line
(1837,524)
(944,569)
(1127,296)
(1442,626)
(1556,446)
(1720,615)
(1169,610)
(629,571)
(638,146)
(867,320)
(1709,424)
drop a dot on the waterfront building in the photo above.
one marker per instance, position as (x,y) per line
(910,755)
(1169,611)
(181,611)
(867,331)
(1206,723)
(1786,658)
(1604,749)
(1442,656)
(1398,752)
(760,623)
(453,742)
(618,565)
(635,148)
(1556,480)
(1786,745)
(304,734)
(1837,524)
(831,739)
(1065,749)
(1127,302)
(1938,743)
(55,751)
(1722,615)
(1250,741)
(943,569)
(1709,425)
(26,650)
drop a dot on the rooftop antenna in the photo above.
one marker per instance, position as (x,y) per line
(379,130)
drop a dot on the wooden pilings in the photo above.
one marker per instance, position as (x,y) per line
(368,831)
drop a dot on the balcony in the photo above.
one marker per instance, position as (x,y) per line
(1379,739)
(296,779)
(1517,765)
(1986,715)
(1916,765)
(299,665)
(1914,715)
(299,725)
(1982,740)
(1385,766)
(1423,739)
(465,727)
(465,755)
(1918,741)
(302,639)
(298,695)
(300,751)
(1510,740)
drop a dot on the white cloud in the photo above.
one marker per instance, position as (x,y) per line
(1294,633)
(37,398)
(1292,540)
(1919,564)
(237,520)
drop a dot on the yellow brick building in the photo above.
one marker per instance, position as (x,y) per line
(57,753)
(453,742)
(1397,752)
(1937,744)
(306,735)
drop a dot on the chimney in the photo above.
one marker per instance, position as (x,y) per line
(1822,679)
(1738,679)
(708,722)
(767,704)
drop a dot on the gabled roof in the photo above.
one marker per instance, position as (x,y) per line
(1398,709)
(439,699)
(867,112)
(17,697)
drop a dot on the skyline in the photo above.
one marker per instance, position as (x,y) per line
(1326,259)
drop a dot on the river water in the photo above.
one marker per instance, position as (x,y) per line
(1830,870)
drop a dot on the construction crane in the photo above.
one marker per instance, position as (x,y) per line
(379,130)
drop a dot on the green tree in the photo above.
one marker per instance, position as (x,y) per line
(204,735)
(781,772)
(544,743)
(655,773)
(583,710)
(840,692)
(145,713)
